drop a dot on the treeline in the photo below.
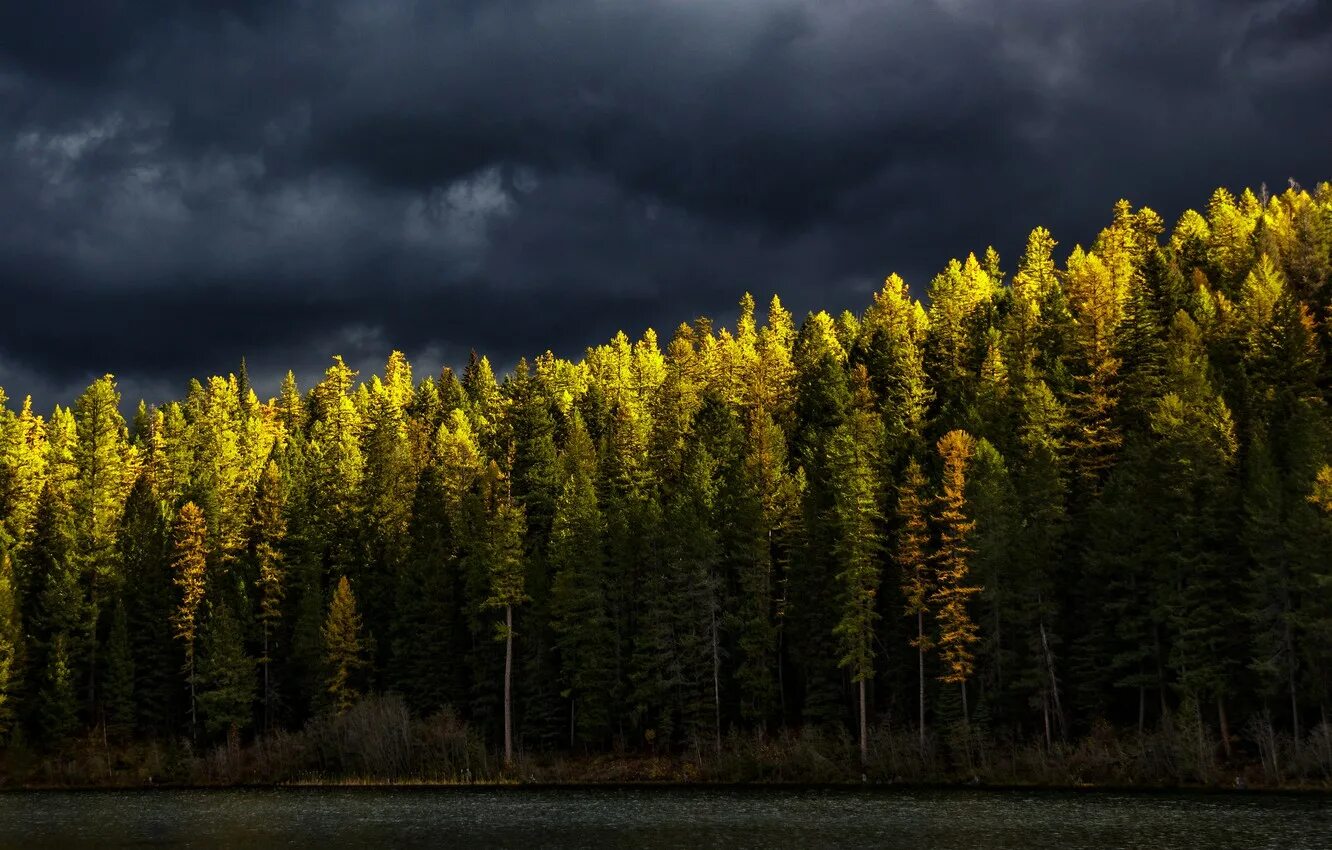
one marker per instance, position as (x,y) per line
(1053,501)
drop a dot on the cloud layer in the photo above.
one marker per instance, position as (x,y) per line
(187,183)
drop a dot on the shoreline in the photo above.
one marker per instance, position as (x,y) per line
(667,785)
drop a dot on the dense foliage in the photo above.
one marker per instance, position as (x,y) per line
(1065,497)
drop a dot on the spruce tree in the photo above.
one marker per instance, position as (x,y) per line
(226,672)
(59,703)
(582,623)
(118,709)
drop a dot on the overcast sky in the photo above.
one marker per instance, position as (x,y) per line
(184,183)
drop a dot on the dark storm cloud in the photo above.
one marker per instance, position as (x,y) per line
(186,183)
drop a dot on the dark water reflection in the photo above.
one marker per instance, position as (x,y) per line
(652,818)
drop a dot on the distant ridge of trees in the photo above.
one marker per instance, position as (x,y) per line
(1061,498)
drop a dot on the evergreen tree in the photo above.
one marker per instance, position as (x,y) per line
(149,598)
(226,672)
(119,712)
(59,714)
(582,623)
(429,632)
(344,649)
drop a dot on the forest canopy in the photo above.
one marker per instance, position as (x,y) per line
(1025,501)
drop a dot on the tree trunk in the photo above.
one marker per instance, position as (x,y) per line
(1294,694)
(1225,726)
(716,680)
(508,684)
(1142,708)
(1045,714)
(1204,772)
(194,734)
(1160,673)
(92,659)
(864,728)
(267,693)
(1050,670)
(966,716)
(781,675)
(920,666)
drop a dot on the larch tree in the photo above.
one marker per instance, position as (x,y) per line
(857,551)
(952,592)
(344,649)
(189,566)
(507,527)
(105,466)
(11,642)
(917,577)
(1147,503)
(268,530)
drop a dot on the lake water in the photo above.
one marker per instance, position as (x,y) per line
(658,818)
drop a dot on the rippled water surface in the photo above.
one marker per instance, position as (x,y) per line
(731,819)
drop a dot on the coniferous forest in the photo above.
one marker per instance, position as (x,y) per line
(1064,517)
